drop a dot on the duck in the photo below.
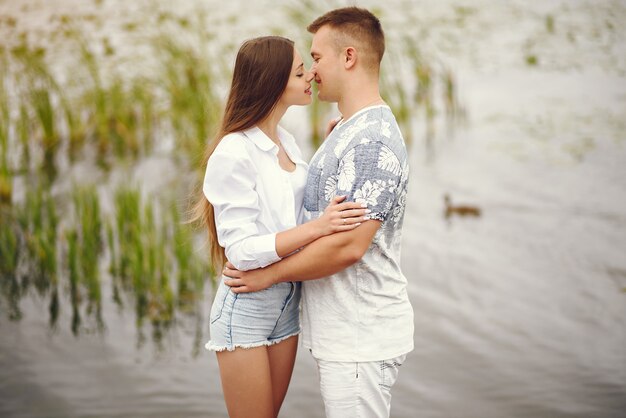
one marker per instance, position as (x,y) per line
(460,210)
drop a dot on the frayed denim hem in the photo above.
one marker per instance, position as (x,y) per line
(212,347)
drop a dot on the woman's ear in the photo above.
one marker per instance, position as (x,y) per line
(350,57)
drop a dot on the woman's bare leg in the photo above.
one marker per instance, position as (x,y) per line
(282,357)
(247,382)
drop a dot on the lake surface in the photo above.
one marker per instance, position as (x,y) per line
(518,313)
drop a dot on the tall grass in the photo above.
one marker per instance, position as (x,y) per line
(9,250)
(74,279)
(193,269)
(128,224)
(88,237)
(394,92)
(38,221)
(161,300)
(6,183)
(9,228)
(193,104)
(44,110)
(111,112)
(28,237)
(120,115)
(143,95)
(38,88)
(23,135)
(8,243)
(143,262)
(95,98)
(417,87)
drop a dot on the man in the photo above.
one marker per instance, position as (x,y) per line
(357,318)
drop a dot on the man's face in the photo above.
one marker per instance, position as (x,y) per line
(327,65)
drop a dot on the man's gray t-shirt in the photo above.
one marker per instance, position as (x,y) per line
(362,313)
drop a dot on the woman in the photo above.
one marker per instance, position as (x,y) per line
(252,203)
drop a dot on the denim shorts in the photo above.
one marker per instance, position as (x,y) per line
(249,320)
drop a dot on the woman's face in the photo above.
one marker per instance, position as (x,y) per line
(298,90)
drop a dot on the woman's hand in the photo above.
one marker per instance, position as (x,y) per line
(246,281)
(340,217)
(331,125)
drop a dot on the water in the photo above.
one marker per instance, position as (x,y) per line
(520,313)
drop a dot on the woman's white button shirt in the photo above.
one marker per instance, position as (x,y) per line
(252,196)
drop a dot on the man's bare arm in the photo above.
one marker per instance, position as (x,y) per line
(321,258)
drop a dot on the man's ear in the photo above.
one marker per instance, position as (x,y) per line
(350,57)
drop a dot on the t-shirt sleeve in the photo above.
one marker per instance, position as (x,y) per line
(370,173)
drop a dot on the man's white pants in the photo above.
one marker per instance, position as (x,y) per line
(358,390)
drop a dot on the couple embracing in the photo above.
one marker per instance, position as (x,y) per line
(316,242)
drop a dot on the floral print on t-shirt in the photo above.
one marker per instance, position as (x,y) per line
(366,160)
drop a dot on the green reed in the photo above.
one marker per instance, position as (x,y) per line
(194,107)
(143,261)
(76,129)
(435,84)
(161,300)
(6,183)
(450,94)
(95,98)
(38,220)
(89,240)
(550,23)
(423,73)
(119,115)
(131,249)
(192,271)
(128,224)
(8,243)
(38,89)
(9,258)
(44,110)
(394,92)
(120,112)
(113,265)
(74,279)
(9,227)
(23,133)
(143,95)
(111,118)
(123,119)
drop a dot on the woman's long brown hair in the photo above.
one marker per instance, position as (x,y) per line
(261,73)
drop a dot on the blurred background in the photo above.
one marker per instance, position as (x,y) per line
(514,110)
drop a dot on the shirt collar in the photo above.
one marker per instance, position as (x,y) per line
(264,143)
(259,139)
